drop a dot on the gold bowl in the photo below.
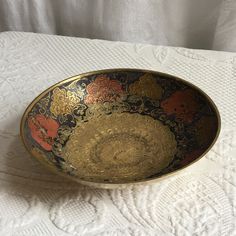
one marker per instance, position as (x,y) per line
(116,127)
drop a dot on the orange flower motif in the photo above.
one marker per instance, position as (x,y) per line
(43,130)
(104,90)
(182,104)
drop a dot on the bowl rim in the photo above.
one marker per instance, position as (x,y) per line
(115,185)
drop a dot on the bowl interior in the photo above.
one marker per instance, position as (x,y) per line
(120,126)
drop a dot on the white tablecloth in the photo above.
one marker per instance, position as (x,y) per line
(201,200)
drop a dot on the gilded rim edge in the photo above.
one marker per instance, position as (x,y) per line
(117,185)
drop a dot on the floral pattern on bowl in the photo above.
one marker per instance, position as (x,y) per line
(120,126)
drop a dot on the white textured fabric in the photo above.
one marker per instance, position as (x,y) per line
(189,23)
(199,201)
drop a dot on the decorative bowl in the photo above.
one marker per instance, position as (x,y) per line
(116,127)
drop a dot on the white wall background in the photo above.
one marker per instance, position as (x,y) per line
(206,24)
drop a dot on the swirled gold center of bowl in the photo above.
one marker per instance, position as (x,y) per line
(120,147)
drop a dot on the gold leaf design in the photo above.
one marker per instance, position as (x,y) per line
(63,102)
(146,86)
